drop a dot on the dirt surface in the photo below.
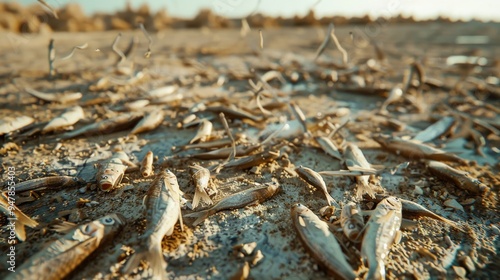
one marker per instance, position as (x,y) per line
(199,61)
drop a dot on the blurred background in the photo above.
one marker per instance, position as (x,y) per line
(31,16)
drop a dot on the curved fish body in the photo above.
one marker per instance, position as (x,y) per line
(460,178)
(380,233)
(415,150)
(162,213)
(315,180)
(107,126)
(203,132)
(112,170)
(55,97)
(223,153)
(10,125)
(149,122)
(201,178)
(253,160)
(65,254)
(68,118)
(356,161)
(53,182)
(320,242)
(328,147)
(237,200)
(351,221)
(9,208)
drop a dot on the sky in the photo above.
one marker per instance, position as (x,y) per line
(424,9)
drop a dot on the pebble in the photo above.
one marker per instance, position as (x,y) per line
(469,201)
(460,271)
(467,262)
(495,229)
(453,203)
(418,191)
(257,258)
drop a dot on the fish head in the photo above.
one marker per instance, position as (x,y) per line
(299,208)
(273,187)
(110,224)
(392,203)
(110,179)
(383,140)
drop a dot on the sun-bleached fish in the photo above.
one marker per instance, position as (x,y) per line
(162,91)
(315,180)
(111,171)
(414,149)
(147,165)
(12,124)
(435,130)
(107,126)
(201,178)
(55,97)
(63,255)
(203,132)
(380,233)
(52,182)
(328,147)
(320,242)
(149,122)
(253,160)
(237,200)
(162,213)
(68,118)
(356,161)
(351,221)
(461,179)
(17,220)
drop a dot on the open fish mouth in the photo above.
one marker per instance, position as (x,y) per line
(106,186)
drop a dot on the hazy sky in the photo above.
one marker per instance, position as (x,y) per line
(423,9)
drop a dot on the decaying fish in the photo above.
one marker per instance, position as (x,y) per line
(147,165)
(435,130)
(17,219)
(203,132)
(290,130)
(107,126)
(315,180)
(68,118)
(201,178)
(10,125)
(162,91)
(394,95)
(356,161)
(208,145)
(111,172)
(149,122)
(320,242)
(53,182)
(381,232)
(65,254)
(460,178)
(233,113)
(55,97)
(163,211)
(351,221)
(253,160)
(237,200)
(328,146)
(414,149)
(223,153)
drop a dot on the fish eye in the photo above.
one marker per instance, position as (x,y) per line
(107,221)
(104,177)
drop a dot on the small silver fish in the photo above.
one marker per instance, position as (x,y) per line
(149,122)
(460,178)
(203,132)
(9,125)
(9,208)
(111,172)
(237,200)
(381,232)
(328,147)
(356,161)
(68,118)
(163,211)
(63,255)
(114,124)
(57,97)
(201,178)
(351,221)
(320,242)
(52,182)
(315,180)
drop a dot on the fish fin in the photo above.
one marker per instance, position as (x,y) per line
(144,199)
(63,227)
(180,219)
(20,232)
(200,216)
(365,188)
(331,201)
(155,258)
(387,217)
(198,194)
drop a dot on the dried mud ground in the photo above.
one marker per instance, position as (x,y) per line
(206,251)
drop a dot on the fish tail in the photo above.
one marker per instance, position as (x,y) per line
(376,272)
(200,216)
(365,188)
(153,254)
(201,195)
(23,220)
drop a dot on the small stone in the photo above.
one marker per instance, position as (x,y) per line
(495,229)
(467,262)
(248,248)
(460,271)
(453,203)
(257,258)
(418,191)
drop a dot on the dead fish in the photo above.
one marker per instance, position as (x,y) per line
(351,221)
(53,183)
(68,118)
(394,95)
(233,113)
(356,161)
(460,178)
(136,105)
(10,125)
(63,255)
(237,200)
(147,165)
(290,130)
(203,132)
(17,219)
(320,242)
(328,146)
(382,230)
(149,122)
(55,97)
(435,130)
(111,172)
(241,150)
(208,145)
(162,92)
(107,126)
(201,178)
(299,115)
(415,150)
(253,160)
(162,213)
(315,180)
